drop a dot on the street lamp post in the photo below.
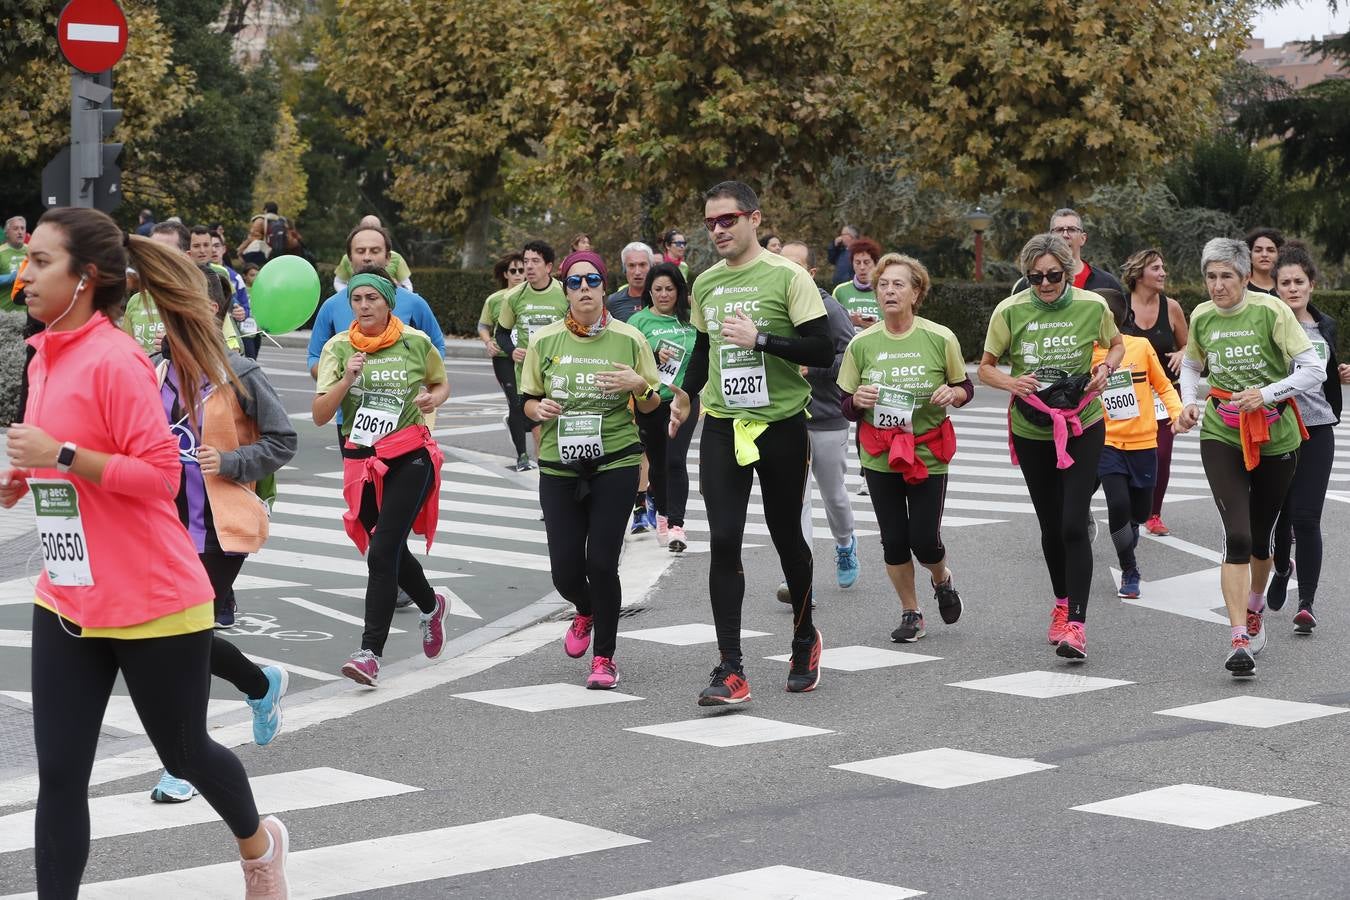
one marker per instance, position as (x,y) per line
(979,222)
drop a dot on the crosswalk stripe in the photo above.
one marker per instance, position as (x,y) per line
(122,715)
(371,865)
(335,614)
(291,667)
(12,638)
(775,882)
(493,556)
(121,814)
(313,563)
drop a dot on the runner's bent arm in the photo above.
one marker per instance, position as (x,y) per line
(1309,373)
(812,346)
(696,373)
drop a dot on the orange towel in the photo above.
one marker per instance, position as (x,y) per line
(1254,428)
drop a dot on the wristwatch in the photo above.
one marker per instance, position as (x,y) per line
(647,394)
(761,340)
(65,458)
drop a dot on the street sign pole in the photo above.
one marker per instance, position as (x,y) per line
(93,36)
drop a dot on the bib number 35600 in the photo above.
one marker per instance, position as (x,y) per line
(65,552)
(744,381)
(1119,398)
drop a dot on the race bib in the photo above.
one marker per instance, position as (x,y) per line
(894,409)
(377,416)
(1159,408)
(671,368)
(1323,352)
(532,328)
(580,437)
(65,554)
(744,381)
(1119,399)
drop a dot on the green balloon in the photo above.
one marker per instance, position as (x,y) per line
(284,294)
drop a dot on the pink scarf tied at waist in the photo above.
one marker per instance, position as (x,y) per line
(356,473)
(1061,421)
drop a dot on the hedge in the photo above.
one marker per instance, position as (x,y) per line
(11,364)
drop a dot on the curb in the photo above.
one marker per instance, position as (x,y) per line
(455,347)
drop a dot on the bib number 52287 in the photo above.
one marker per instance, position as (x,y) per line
(744,380)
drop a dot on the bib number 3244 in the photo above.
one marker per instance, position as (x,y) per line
(65,552)
(744,381)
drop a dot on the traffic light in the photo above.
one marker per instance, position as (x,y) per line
(88,173)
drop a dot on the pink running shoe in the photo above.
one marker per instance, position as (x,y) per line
(433,629)
(1074,643)
(678,542)
(1059,618)
(604,676)
(662,531)
(578,637)
(363,668)
(266,879)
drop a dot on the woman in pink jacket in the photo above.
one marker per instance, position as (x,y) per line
(122,589)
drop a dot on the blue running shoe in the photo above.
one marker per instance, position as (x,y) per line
(846,563)
(1129,584)
(639,525)
(172,790)
(650,517)
(267,708)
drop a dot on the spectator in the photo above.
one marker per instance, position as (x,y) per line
(1069,225)
(295,245)
(771,242)
(254,249)
(12,253)
(841,255)
(238,309)
(674,249)
(145,222)
(250,272)
(637,260)
(581,242)
(397,269)
(1265,244)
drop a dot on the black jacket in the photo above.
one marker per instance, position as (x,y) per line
(1332,386)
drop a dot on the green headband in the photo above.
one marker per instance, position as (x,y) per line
(368,279)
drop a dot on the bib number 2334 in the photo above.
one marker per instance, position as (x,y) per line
(65,553)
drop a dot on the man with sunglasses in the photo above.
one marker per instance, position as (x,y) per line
(530,306)
(1069,225)
(765,320)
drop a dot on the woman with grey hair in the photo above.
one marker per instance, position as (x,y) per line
(1258,358)
(1056,432)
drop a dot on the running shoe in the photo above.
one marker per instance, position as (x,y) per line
(225,616)
(1129,584)
(433,629)
(911,627)
(578,637)
(662,531)
(267,708)
(1304,620)
(862,489)
(784,595)
(1156,527)
(1279,587)
(804,669)
(266,879)
(639,525)
(172,790)
(402,601)
(1256,630)
(1240,660)
(728,686)
(363,667)
(604,676)
(1059,618)
(523,463)
(846,563)
(678,542)
(1073,645)
(948,600)
(650,514)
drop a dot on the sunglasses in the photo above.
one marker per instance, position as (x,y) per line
(1054,277)
(727,220)
(680,243)
(592,279)
(516,271)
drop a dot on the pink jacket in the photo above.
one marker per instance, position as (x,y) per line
(95,387)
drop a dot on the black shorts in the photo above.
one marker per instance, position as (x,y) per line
(1140,467)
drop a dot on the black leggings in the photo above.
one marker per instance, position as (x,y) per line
(227,661)
(389,561)
(1248,502)
(1063,501)
(169,682)
(1301,516)
(1165,441)
(668,459)
(1127,508)
(585,538)
(783,465)
(908,515)
(516,423)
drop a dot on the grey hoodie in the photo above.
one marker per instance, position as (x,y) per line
(825,398)
(277,440)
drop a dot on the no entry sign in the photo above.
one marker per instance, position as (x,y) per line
(92,34)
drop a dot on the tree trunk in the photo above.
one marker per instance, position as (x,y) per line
(474,253)
(648,227)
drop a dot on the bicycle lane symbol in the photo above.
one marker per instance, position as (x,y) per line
(264,625)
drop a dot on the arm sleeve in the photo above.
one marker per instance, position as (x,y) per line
(645,363)
(851,412)
(505,340)
(696,374)
(330,371)
(1309,373)
(323,330)
(277,440)
(1191,370)
(849,374)
(997,339)
(811,347)
(841,331)
(146,464)
(434,367)
(1162,385)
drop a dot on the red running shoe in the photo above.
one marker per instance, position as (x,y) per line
(1074,643)
(1059,617)
(1156,527)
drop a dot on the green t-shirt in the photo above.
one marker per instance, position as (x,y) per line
(397,268)
(1050,341)
(778,295)
(492,308)
(853,300)
(525,311)
(380,402)
(670,332)
(1248,346)
(9,264)
(562,366)
(909,367)
(141,320)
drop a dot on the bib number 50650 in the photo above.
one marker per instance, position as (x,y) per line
(65,553)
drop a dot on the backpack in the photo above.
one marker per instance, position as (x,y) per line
(276,235)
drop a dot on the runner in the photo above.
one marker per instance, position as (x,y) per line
(229,458)
(764,319)
(508,272)
(141,319)
(386,377)
(858,297)
(674,249)
(664,322)
(103,469)
(528,307)
(1301,515)
(1250,426)
(1128,469)
(898,377)
(579,375)
(1047,331)
(1264,244)
(1146,278)
(364,255)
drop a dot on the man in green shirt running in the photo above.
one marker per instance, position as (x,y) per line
(765,320)
(141,319)
(359,259)
(12,253)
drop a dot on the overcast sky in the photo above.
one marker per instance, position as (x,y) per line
(1299,21)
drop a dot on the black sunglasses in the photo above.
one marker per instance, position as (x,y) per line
(679,243)
(1054,277)
(592,279)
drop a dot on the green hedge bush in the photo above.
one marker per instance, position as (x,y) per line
(11,364)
